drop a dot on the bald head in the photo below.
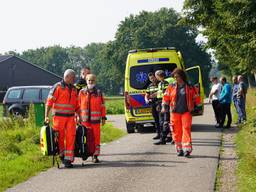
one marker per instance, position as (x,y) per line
(240,78)
(69,76)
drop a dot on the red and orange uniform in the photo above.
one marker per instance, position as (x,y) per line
(63,101)
(181,122)
(92,110)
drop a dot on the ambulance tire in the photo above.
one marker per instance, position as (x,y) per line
(130,127)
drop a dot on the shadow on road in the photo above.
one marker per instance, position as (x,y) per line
(131,163)
(204,128)
(204,157)
(146,153)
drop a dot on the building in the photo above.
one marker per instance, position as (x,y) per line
(15,71)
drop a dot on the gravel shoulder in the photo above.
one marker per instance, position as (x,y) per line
(228,161)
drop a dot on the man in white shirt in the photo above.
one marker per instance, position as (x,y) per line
(214,99)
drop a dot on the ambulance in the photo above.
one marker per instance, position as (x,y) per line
(139,63)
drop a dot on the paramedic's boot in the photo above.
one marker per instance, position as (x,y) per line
(62,159)
(95,159)
(156,137)
(180,153)
(187,154)
(68,164)
(168,139)
(160,142)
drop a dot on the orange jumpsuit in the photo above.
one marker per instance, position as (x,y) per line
(92,110)
(64,102)
(181,122)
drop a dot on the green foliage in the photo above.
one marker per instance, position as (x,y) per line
(114,106)
(245,143)
(230,28)
(19,150)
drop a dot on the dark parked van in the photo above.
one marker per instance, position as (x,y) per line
(17,99)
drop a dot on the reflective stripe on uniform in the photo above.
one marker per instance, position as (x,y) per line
(95,118)
(63,111)
(95,112)
(64,105)
(84,110)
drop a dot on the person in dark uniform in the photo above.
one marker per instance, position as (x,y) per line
(151,99)
(81,83)
(164,118)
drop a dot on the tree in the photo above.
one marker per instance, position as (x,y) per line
(157,29)
(231,30)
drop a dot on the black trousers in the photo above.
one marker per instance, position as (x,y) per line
(155,115)
(217,110)
(226,112)
(164,120)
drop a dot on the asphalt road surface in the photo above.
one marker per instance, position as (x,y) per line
(133,163)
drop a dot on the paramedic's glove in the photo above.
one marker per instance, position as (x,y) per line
(46,120)
(164,108)
(103,120)
(197,109)
(78,120)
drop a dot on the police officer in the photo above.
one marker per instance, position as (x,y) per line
(151,99)
(164,118)
(81,83)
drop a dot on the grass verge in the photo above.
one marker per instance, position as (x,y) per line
(245,146)
(20,156)
(114,105)
(1,111)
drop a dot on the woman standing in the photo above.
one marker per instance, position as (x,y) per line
(181,98)
(92,113)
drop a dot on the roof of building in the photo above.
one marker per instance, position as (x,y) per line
(5,57)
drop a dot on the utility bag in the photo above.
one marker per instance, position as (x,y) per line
(49,144)
(81,149)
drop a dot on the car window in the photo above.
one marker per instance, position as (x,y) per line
(14,94)
(139,74)
(45,93)
(31,95)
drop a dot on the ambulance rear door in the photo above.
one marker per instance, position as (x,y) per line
(195,78)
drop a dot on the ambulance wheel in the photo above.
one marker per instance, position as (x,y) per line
(139,128)
(130,127)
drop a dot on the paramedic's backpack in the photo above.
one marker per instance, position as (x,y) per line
(80,144)
(49,141)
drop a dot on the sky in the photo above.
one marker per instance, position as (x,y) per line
(31,24)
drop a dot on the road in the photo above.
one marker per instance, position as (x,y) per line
(133,163)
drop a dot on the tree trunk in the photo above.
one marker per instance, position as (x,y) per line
(251,80)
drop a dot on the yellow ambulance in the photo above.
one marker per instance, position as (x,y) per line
(139,63)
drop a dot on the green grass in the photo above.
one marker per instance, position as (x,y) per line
(246,147)
(109,133)
(1,111)
(20,155)
(114,105)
